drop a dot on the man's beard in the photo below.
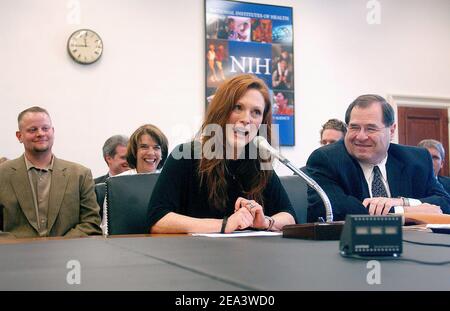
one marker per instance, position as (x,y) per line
(41,150)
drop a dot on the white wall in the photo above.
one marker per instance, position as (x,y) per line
(152,70)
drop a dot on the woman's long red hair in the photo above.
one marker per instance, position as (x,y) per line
(212,171)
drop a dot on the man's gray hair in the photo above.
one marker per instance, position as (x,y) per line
(432,143)
(109,148)
(367,100)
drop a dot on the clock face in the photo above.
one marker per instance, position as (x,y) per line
(85,46)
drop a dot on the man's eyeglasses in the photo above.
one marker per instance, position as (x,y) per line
(355,129)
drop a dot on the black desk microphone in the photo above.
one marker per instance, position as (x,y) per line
(328,230)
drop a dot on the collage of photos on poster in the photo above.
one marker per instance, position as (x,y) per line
(221,29)
(232,40)
(282,80)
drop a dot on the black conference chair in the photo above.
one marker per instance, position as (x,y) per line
(127,203)
(297,191)
(100,192)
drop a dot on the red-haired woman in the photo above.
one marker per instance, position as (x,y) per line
(213,184)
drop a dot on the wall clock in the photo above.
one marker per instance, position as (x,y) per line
(85,46)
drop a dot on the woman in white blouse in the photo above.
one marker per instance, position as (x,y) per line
(147,150)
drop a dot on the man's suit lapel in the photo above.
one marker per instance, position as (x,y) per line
(364,185)
(358,181)
(57,191)
(22,188)
(394,168)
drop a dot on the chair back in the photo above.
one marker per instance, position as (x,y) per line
(100,192)
(127,202)
(297,191)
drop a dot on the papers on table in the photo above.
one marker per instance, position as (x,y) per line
(439,228)
(238,234)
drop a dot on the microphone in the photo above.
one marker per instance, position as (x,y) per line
(328,230)
(262,143)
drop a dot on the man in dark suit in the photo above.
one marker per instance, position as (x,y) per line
(445,182)
(366,174)
(115,155)
(41,195)
(437,153)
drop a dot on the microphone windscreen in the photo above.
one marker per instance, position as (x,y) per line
(260,141)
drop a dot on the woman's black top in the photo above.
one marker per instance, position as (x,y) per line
(178,190)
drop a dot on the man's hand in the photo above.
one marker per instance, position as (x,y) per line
(381,205)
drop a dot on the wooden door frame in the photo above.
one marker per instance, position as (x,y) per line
(397,100)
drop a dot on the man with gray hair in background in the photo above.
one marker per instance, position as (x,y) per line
(115,155)
(437,153)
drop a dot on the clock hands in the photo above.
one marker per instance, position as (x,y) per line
(85,41)
(80,45)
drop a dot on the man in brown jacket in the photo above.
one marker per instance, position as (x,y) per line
(41,195)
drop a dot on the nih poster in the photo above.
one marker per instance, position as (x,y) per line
(253,38)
